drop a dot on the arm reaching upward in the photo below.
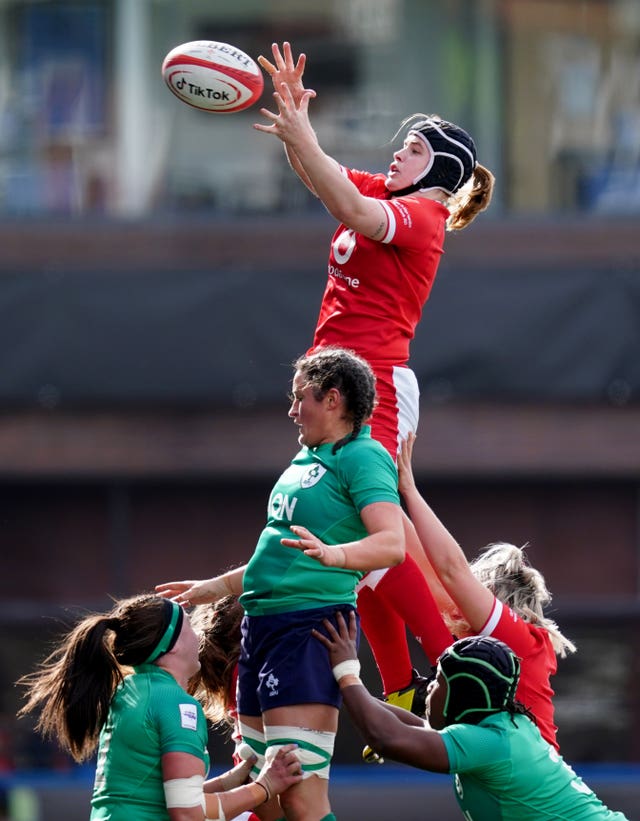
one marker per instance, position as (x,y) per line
(473,599)
(408,740)
(283,71)
(317,170)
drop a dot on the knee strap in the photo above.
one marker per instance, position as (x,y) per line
(253,743)
(315,747)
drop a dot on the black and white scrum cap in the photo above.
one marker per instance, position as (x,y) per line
(453,155)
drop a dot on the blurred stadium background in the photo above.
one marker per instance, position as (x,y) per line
(160,268)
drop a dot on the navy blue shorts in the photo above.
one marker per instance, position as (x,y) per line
(282,664)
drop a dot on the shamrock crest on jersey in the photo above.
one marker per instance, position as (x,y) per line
(312,475)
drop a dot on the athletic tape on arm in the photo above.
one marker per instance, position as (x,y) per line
(184,792)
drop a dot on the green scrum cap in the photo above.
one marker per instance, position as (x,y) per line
(482,674)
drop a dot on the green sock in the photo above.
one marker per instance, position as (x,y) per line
(330,817)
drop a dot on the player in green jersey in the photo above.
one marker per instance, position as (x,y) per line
(337,499)
(117,681)
(475,729)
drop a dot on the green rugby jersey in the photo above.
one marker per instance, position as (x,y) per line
(150,715)
(325,493)
(507,772)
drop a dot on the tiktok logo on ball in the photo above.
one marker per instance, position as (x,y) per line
(198,91)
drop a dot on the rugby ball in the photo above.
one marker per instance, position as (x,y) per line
(213,76)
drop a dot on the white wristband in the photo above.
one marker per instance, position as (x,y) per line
(346,668)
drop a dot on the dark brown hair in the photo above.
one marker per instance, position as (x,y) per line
(218,627)
(73,687)
(335,367)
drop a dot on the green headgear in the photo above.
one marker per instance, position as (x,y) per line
(482,674)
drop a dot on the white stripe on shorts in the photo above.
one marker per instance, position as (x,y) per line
(408,401)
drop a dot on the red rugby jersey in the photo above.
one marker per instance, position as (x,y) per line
(376,289)
(538,663)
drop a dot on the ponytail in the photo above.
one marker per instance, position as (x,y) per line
(474,197)
(74,685)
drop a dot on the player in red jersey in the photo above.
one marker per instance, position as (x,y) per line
(499,594)
(382,264)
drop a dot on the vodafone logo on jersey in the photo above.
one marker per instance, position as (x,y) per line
(343,246)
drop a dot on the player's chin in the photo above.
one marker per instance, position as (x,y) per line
(393,183)
(305,441)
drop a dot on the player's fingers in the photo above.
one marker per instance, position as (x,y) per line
(267,65)
(171,589)
(302,61)
(277,56)
(321,637)
(270,116)
(342,625)
(287,53)
(304,100)
(296,543)
(285,94)
(302,532)
(353,626)
(331,630)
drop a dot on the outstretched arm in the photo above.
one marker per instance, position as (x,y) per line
(339,195)
(416,744)
(473,599)
(205,591)
(283,71)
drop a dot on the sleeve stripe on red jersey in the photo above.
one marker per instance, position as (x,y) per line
(391,222)
(494,618)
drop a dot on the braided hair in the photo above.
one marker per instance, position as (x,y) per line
(334,367)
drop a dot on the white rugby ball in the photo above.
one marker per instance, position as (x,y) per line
(213,76)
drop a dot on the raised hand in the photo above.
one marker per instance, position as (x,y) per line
(291,122)
(283,70)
